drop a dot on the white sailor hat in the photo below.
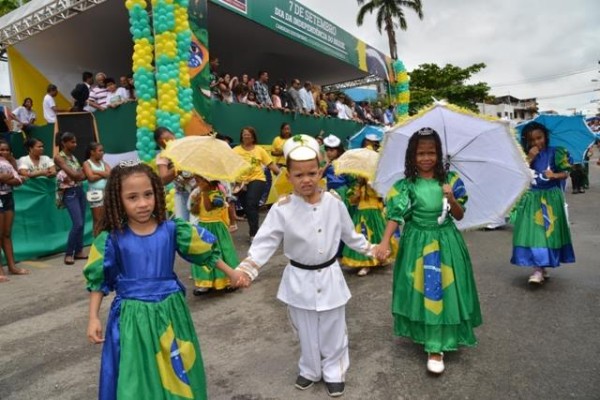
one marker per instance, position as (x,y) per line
(301,148)
(372,137)
(332,141)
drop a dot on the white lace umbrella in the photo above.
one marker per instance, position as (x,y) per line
(482,151)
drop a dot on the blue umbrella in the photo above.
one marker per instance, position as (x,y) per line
(355,141)
(570,132)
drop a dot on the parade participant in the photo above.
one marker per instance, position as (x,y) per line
(434,299)
(311,224)
(208,210)
(371,141)
(182,180)
(368,219)
(333,151)
(150,350)
(541,237)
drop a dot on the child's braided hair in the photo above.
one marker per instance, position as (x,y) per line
(115,217)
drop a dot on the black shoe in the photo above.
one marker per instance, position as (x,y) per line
(201,291)
(302,383)
(335,389)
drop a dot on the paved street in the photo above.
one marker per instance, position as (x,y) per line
(534,344)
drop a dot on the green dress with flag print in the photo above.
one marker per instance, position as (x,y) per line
(151,350)
(434,299)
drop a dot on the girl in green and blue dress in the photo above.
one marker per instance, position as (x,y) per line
(150,348)
(541,237)
(209,210)
(434,299)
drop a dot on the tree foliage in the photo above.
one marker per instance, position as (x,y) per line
(390,16)
(430,81)
(7,6)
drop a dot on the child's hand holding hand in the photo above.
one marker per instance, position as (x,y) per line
(239,279)
(94,331)
(533,152)
(381,251)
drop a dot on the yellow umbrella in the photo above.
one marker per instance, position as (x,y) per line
(207,156)
(360,162)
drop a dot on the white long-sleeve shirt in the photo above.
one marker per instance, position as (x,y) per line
(311,234)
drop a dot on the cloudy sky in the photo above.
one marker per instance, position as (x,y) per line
(547,49)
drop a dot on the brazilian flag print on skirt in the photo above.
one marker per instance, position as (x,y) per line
(161,341)
(541,235)
(208,276)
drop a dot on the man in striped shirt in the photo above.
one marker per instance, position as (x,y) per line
(97,99)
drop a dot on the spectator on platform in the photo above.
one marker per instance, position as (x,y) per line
(322,104)
(131,86)
(351,110)
(246,81)
(214,76)
(261,88)
(332,110)
(251,99)
(360,111)
(388,116)
(35,163)
(378,113)
(295,102)
(4,123)
(225,93)
(306,96)
(69,181)
(115,96)
(97,99)
(341,108)
(81,93)
(24,116)
(49,105)
(284,94)
(275,98)
(124,83)
(240,93)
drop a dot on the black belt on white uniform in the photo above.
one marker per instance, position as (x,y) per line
(313,267)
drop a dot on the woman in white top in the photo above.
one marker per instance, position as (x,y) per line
(24,116)
(96,171)
(35,163)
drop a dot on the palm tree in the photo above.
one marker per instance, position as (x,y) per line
(387,11)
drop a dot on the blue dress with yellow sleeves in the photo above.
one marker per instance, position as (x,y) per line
(151,350)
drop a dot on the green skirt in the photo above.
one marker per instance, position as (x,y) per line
(541,235)
(371,224)
(444,324)
(208,276)
(150,333)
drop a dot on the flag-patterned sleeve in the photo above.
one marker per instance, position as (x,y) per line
(458,189)
(100,269)
(561,160)
(398,203)
(196,244)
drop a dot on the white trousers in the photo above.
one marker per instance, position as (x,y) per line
(323,343)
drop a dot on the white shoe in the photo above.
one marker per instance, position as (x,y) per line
(435,366)
(363,272)
(536,277)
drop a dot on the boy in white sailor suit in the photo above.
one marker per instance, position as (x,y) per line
(311,224)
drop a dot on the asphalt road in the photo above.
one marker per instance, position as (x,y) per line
(534,344)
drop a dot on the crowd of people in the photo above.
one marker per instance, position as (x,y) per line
(297,97)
